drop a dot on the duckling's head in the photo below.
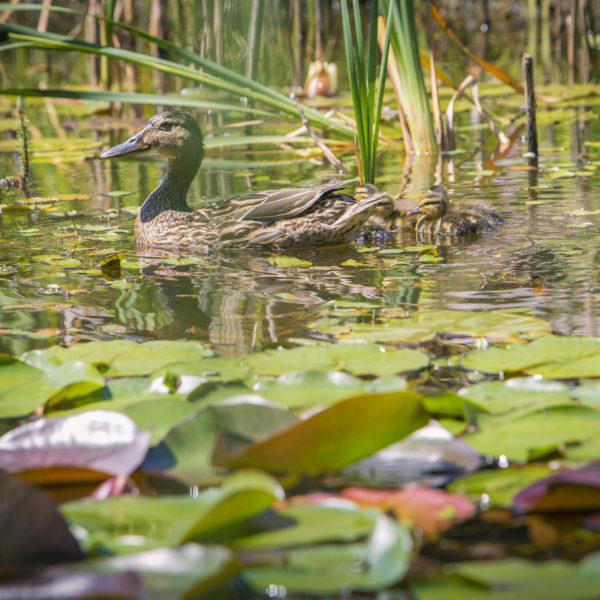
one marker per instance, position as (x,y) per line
(364,191)
(433,205)
(172,133)
(385,207)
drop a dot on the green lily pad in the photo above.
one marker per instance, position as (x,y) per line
(215,368)
(334,437)
(318,567)
(24,387)
(95,353)
(423,326)
(515,579)
(550,356)
(129,523)
(539,432)
(499,485)
(284,262)
(358,359)
(187,448)
(302,389)
(149,356)
(517,396)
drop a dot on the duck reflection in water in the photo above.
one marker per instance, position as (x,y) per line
(240,303)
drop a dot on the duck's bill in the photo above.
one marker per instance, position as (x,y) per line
(133,144)
(414,211)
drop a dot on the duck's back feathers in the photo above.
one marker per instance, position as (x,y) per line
(286,203)
(328,218)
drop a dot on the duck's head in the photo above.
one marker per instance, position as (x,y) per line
(172,133)
(433,205)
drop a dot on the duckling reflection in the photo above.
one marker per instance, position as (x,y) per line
(439,216)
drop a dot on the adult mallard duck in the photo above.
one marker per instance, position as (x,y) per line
(439,216)
(317,215)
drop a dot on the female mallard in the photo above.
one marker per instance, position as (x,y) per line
(439,216)
(297,216)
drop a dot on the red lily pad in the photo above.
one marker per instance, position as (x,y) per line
(571,490)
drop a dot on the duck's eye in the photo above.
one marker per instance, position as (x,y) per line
(166,126)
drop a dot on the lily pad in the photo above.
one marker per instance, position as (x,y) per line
(145,358)
(171,520)
(535,433)
(423,326)
(358,359)
(515,579)
(284,262)
(517,396)
(317,563)
(98,440)
(333,437)
(550,356)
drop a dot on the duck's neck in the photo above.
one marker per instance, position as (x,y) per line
(172,191)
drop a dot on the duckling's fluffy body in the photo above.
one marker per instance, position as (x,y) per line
(435,214)
(439,216)
(296,216)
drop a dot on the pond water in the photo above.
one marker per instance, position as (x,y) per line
(543,261)
(459,329)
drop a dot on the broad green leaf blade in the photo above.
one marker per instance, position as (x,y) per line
(146,357)
(243,495)
(334,437)
(128,522)
(186,450)
(133,98)
(500,324)
(515,579)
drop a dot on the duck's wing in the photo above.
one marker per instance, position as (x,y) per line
(275,205)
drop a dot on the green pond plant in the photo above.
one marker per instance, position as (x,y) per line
(367,95)
(414,98)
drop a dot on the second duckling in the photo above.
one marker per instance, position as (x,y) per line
(391,214)
(439,216)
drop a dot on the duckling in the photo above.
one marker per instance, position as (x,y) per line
(391,214)
(313,216)
(439,216)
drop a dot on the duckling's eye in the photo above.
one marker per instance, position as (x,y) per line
(166,126)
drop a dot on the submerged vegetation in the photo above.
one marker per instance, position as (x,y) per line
(404,416)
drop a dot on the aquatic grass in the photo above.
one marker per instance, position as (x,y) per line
(362,74)
(413,93)
(212,74)
(134,98)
